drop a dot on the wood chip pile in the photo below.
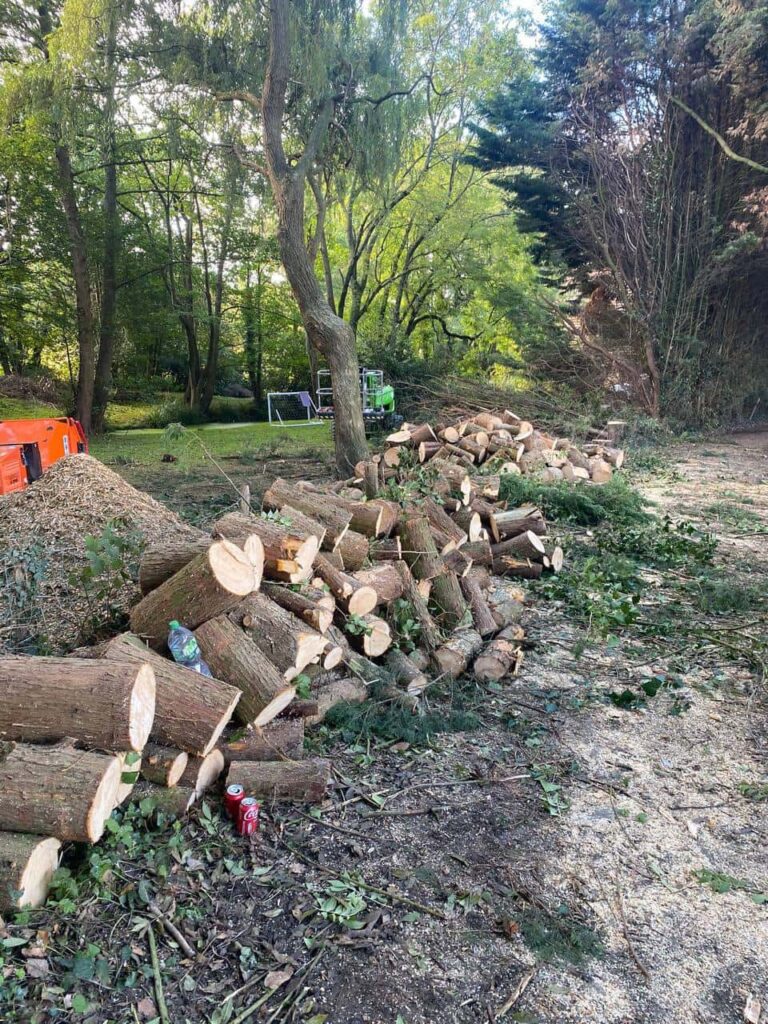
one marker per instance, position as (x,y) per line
(311,586)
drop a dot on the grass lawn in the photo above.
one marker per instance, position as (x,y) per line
(158,411)
(253,441)
(27,409)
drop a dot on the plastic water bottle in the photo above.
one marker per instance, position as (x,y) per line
(182,644)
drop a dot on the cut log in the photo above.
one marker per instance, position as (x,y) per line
(107,705)
(470,523)
(302,707)
(524,545)
(308,604)
(338,691)
(163,765)
(332,656)
(517,520)
(499,656)
(200,773)
(375,640)
(353,549)
(487,513)
(390,515)
(385,580)
(473,447)
(391,457)
(485,624)
(475,432)
(505,565)
(419,548)
(209,585)
(355,598)
(511,419)
(247,665)
(285,640)
(288,556)
(130,770)
(480,552)
(505,602)
(386,549)
(399,437)
(421,433)
(58,791)
(281,740)
(454,478)
(554,558)
(358,664)
(405,672)
(294,781)
(576,458)
(440,522)
(322,507)
(449,434)
(456,654)
(27,864)
(429,634)
(428,449)
(600,471)
(457,562)
(174,802)
(448,599)
(161,561)
(551,475)
(615,429)
(190,710)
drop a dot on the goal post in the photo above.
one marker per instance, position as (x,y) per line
(291,408)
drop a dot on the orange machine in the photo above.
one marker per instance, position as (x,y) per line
(29,447)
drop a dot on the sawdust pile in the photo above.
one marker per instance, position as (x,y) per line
(45,605)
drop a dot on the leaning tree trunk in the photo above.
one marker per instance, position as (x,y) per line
(327,332)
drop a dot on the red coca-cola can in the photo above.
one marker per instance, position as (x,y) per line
(248,816)
(233,796)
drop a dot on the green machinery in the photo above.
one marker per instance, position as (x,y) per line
(376,397)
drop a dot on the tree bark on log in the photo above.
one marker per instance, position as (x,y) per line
(485,624)
(107,705)
(200,773)
(190,710)
(281,740)
(162,560)
(358,664)
(454,657)
(317,505)
(163,765)
(175,801)
(288,555)
(419,548)
(504,565)
(447,597)
(480,552)
(441,522)
(387,549)
(430,636)
(385,580)
(355,598)
(338,691)
(282,637)
(505,602)
(525,545)
(376,639)
(294,781)
(309,604)
(27,864)
(390,516)
(211,584)
(233,654)
(470,523)
(58,791)
(353,549)
(405,672)
(510,524)
(499,656)
(457,562)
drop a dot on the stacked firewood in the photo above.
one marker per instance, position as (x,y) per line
(295,608)
(506,444)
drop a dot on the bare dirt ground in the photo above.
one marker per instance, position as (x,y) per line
(568,860)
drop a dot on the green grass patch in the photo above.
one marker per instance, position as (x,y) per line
(167,408)
(27,409)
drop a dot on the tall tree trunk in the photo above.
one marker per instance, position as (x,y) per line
(216,301)
(81,275)
(325,330)
(103,378)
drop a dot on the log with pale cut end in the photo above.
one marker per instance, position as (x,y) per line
(106,705)
(470,523)
(332,656)
(129,774)
(455,452)
(209,585)
(405,671)
(366,516)
(500,655)
(309,604)
(58,791)
(600,471)
(456,654)
(162,560)
(419,548)
(338,691)
(200,773)
(357,663)
(422,433)
(515,521)
(524,545)
(281,740)
(523,568)
(488,421)
(294,781)
(453,478)
(429,633)
(480,552)
(232,653)
(532,462)
(288,554)
(485,624)
(551,475)
(577,458)
(27,864)
(554,558)
(322,507)
(163,765)
(448,600)
(615,429)
(428,449)
(475,432)
(370,477)
(288,642)
(391,458)
(449,434)
(353,549)
(511,419)
(510,467)
(473,447)
(390,516)
(440,522)
(385,580)
(399,437)
(300,523)
(374,638)
(505,602)
(487,513)
(175,802)
(190,710)
(457,562)
(386,549)
(355,598)
(524,431)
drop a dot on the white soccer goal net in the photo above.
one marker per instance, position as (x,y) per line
(291,408)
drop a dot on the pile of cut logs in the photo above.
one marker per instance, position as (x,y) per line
(507,444)
(295,609)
